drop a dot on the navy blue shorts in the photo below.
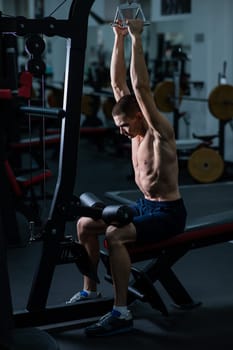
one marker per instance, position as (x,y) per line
(155,220)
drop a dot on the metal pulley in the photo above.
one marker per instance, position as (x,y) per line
(36,66)
(35,45)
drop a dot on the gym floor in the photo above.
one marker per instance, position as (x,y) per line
(206,272)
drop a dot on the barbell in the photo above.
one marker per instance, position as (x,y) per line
(220,100)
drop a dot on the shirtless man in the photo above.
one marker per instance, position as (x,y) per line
(161,211)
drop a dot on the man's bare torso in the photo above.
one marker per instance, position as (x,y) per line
(155,167)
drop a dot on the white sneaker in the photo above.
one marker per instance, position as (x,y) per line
(83,295)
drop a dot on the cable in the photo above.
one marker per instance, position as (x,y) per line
(63,2)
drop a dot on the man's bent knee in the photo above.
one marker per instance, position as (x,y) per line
(87,227)
(120,235)
(112,235)
(84,225)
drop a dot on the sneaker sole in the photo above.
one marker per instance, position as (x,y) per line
(107,334)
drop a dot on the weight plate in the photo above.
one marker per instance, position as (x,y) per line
(205,165)
(164,96)
(221,102)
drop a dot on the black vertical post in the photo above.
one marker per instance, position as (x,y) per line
(176,117)
(6,319)
(222,124)
(55,226)
(76,47)
(8,62)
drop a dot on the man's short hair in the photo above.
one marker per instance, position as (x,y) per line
(127,105)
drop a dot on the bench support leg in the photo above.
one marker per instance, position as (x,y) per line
(142,286)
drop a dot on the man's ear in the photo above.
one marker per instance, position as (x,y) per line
(139,115)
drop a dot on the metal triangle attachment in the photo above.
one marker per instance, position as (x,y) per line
(129,10)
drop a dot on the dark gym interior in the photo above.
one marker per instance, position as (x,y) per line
(57,141)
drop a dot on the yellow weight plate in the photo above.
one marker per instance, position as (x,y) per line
(221,102)
(164,95)
(205,165)
(107,107)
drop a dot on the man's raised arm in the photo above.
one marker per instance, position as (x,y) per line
(141,82)
(118,67)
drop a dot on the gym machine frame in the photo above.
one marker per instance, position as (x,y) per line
(74,29)
(66,207)
(57,248)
